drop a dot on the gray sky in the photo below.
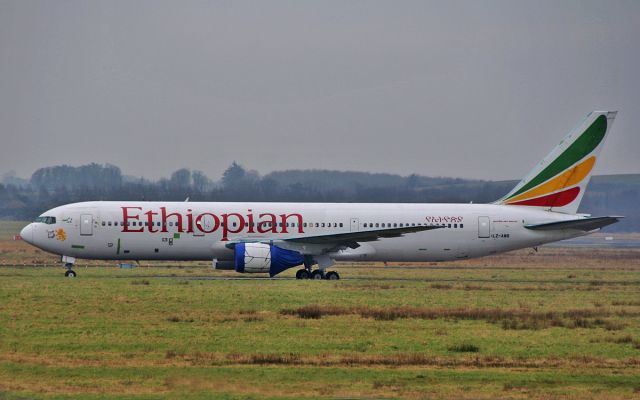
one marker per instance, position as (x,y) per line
(476,89)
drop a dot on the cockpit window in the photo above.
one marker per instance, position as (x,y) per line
(46,220)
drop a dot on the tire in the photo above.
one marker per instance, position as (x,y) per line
(317,274)
(332,276)
(70,273)
(302,274)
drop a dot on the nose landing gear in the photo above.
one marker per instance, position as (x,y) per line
(68,264)
(69,273)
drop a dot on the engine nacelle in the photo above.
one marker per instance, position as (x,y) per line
(262,257)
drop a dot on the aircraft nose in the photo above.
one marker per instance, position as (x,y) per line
(27,233)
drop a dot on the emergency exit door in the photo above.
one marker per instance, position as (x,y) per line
(484,227)
(355,225)
(86,224)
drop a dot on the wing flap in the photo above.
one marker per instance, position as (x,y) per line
(582,224)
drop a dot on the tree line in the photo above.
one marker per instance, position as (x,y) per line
(49,187)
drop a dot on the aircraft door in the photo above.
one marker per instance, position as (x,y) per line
(355,225)
(86,224)
(484,227)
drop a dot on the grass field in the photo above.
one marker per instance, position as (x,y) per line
(559,323)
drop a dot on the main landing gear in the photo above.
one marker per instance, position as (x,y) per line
(317,274)
(320,273)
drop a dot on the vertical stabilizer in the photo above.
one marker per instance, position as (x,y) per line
(559,181)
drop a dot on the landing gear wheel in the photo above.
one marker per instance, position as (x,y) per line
(332,276)
(302,274)
(317,274)
(69,273)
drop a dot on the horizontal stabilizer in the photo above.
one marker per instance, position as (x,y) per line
(582,224)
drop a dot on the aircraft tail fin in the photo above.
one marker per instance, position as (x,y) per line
(559,181)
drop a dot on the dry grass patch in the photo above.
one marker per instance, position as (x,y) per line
(521,318)
(399,360)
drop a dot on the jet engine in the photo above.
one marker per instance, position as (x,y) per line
(262,257)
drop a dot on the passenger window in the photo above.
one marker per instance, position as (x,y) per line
(461,225)
(340,224)
(377,224)
(395,225)
(365,224)
(104,223)
(317,224)
(455,225)
(109,223)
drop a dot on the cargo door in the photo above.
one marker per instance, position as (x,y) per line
(86,224)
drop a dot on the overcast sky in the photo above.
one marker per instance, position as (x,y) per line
(476,89)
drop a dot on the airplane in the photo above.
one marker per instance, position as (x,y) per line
(272,237)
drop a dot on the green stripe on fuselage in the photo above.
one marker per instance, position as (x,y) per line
(584,145)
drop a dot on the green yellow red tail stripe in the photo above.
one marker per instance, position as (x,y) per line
(561,178)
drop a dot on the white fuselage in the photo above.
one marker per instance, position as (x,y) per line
(200,230)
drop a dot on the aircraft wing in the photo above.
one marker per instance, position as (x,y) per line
(582,224)
(349,238)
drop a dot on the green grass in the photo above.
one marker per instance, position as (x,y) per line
(129,333)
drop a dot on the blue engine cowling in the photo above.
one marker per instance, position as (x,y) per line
(262,257)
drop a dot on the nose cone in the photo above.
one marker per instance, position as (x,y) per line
(27,233)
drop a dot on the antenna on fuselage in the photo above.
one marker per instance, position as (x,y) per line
(187,199)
